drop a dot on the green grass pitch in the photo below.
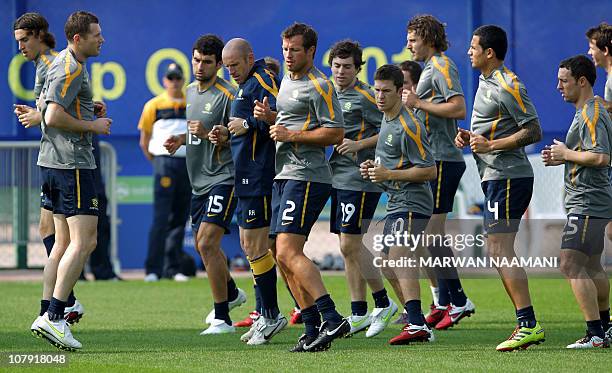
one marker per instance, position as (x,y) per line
(132,326)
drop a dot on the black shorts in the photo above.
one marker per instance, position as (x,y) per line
(399,222)
(296,205)
(69,192)
(351,211)
(584,233)
(216,207)
(505,203)
(445,185)
(254,212)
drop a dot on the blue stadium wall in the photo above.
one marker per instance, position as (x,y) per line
(142,37)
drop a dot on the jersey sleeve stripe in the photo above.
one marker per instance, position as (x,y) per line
(45,60)
(514,91)
(591,123)
(366,94)
(224,90)
(270,75)
(306,123)
(273,90)
(400,162)
(444,70)
(69,77)
(361,130)
(326,96)
(494,125)
(414,136)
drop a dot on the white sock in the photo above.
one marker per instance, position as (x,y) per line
(435,293)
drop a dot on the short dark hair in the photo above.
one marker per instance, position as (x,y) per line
(602,34)
(345,49)
(413,68)
(78,23)
(272,64)
(392,73)
(35,24)
(580,66)
(209,44)
(430,29)
(494,37)
(309,35)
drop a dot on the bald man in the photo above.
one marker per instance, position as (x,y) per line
(253,153)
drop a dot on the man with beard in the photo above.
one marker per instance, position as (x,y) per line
(211,172)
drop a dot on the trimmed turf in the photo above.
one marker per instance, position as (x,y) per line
(132,326)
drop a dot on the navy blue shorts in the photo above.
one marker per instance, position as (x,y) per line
(296,205)
(445,185)
(399,222)
(45,201)
(351,211)
(505,203)
(254,212)
(70,191)
(584,233)
(216,207)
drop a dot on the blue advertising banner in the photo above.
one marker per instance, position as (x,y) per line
(143,37)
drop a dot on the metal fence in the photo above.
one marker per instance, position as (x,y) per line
(20,180)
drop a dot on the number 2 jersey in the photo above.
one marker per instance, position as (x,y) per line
(303,105)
